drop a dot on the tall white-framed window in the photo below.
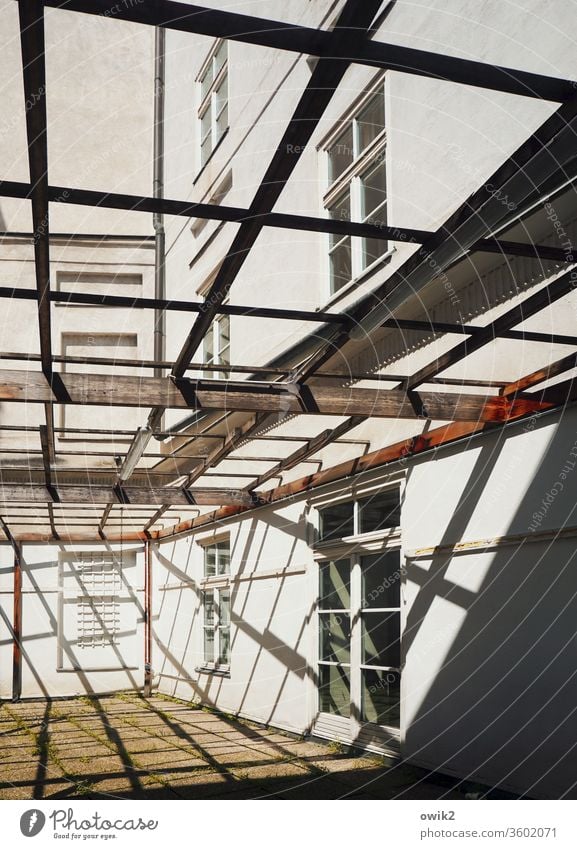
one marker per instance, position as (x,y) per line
(357,190)
(216,606)
(359,612)
(213,109)
(216,347)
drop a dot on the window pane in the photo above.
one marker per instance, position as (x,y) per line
(380,511)
(336,521)
(205,125)
(335,585)
(381,692)
(206,81)
(224,608)
(341,154)
(340,210)
(341,267)
(220,58)
(223,557)
(209,345)
(208,645)
(334,690)
(371,121)
(224,646)
(209,561)
(222,95)
(373,191)
(208,608)
(381,580)
(373,249)
(381,639)
(335,634)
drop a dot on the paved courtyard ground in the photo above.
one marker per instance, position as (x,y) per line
(127,746)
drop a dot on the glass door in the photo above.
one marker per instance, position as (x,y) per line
(359,619)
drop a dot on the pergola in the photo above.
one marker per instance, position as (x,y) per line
(265,393)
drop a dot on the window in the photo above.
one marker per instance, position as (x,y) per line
(366,515)
(357,189)
(360,638)
(213,111)
(216,606)
(216,346)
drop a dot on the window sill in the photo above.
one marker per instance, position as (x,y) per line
(219,671)
(212,152)
(358,281)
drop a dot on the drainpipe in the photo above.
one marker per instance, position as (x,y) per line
(158,192)
(147,690)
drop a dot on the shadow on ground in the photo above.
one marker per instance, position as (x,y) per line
(128,747)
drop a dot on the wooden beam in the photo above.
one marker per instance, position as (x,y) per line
(291,37)
(107,390)
(129,495)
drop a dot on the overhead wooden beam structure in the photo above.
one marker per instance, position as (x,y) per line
(107,390)
(273,393)
(11,493)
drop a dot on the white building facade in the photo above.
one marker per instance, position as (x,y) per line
(424,606)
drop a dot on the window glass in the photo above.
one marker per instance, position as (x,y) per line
(334,690)
(381,639)
(337,521)
(341,265)
(224,627)
(335,637)
(371,120)
(380,696)
(381,580)
(373,190)
(341,153)
(335,585)
(208,604)
(380,511)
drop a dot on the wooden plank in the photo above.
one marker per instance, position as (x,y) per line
(107,390)
(72,494)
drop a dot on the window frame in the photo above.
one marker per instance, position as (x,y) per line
(355,500)
(220,352)
(349,184)
(217,586)
(208,104)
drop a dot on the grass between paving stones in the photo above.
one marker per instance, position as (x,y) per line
(315,769)
(42,746)
(128,760)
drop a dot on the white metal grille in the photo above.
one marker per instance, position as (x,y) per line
(98,615)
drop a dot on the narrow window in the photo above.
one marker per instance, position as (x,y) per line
(213,110)
(357,190)
(216,607)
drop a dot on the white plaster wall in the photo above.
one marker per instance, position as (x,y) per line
(40,676)
(272,639)
(489,643)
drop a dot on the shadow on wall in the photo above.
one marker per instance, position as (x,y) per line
(497,690)
(257,614)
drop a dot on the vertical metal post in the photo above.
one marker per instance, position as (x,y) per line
(147,619)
